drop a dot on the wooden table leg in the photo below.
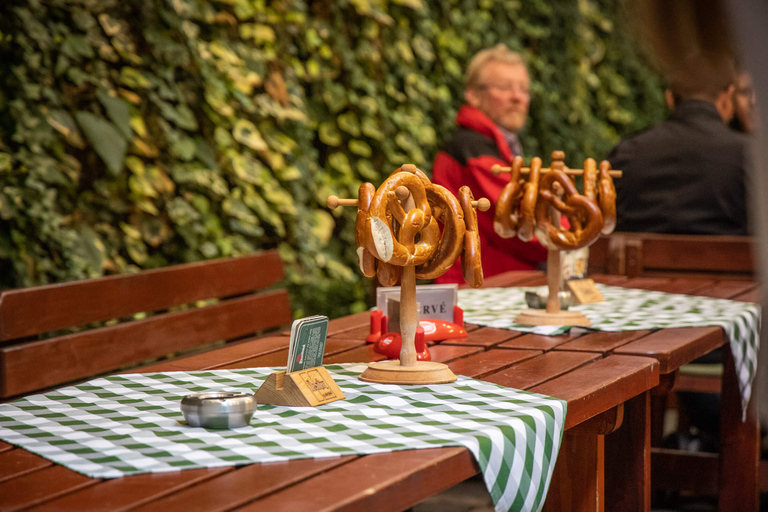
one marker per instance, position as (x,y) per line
(628,459)
(739,445)
(577,482)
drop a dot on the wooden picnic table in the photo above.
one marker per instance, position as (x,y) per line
(604,462)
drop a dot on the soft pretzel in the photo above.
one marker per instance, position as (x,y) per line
(448,211)
(471,265)
(401,249)
(607,193)
(508,204)
(590,179)
(527,223)
(387,274)
(584,216)
(364,257)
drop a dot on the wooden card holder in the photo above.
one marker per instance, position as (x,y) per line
(303,388)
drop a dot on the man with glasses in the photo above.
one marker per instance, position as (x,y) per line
(497,95)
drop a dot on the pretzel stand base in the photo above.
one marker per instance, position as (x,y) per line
(552,315)
(408,370)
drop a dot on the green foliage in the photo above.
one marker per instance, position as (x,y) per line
(142,133)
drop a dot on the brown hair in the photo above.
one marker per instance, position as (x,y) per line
(691,42)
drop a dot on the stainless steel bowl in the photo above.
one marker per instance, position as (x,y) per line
(218,409)
(538,299)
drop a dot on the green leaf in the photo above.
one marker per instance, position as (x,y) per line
(329,134)
(245,132)
(360,147)
(349,123)
(5,162)
(118,112)
(106,141)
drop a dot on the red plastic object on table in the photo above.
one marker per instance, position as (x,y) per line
(390,344)
(434,329)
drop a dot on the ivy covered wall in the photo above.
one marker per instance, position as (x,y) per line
(141,133)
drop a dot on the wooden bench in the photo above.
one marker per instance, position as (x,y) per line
(140,317)
(659,255)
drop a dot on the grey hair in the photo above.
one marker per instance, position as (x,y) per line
(499,53)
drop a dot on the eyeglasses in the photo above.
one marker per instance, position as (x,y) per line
(508,87)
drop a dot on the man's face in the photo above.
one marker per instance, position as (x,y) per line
(744,102)
(502,94)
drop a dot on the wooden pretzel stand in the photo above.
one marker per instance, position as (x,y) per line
(553,314)
(406,370)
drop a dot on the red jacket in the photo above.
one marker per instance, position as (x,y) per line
(466,159)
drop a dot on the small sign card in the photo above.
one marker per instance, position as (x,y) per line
(585,291)
(436,301)
(307,344)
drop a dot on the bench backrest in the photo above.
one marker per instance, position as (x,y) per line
(650,254)
(139,326)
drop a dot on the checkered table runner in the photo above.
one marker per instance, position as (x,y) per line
(628,309)
(128,424)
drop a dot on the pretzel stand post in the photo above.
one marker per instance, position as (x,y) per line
(536,206)
(413,245)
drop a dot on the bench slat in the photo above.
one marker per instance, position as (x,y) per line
(30,311)
(40,364)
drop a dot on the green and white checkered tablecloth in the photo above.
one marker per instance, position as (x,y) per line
(128,424)
(629,309)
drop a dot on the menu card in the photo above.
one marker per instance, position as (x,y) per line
(307,345)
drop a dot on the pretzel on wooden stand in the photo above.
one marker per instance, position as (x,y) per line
(537,205)
(412,228)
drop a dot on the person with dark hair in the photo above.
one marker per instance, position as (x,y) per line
(687,175)
(497,98)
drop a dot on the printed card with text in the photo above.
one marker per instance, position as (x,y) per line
(307,344)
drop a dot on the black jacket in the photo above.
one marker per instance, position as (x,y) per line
(685,176)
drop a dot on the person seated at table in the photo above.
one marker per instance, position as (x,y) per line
(744,113)
(497,94)
(687,175)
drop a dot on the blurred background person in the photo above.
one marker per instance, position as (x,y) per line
(497,95)
(687,175)
(744,114)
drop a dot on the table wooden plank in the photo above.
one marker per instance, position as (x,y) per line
(123,493)
(236,488)
(675,347)
(278,358)
(537,370)
(379,482)
(480,365)
(484,337)
(609,280)
(18,462)
(227,354)
(726,289)
(447,353)
(754,295)
(601,385)
(38,486)
(346,323)
(602,342)
(358,334)
(537,341)
(362,354)
(4,447)
(514,278)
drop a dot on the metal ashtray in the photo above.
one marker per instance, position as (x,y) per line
(538,299)
(218,409)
